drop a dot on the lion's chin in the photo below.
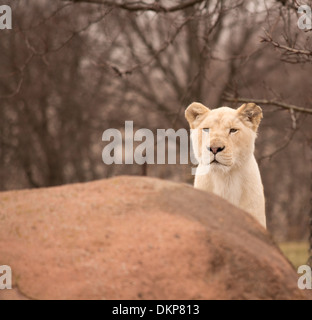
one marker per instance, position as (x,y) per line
(218,166)
(216,162)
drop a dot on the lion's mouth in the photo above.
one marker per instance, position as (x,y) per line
(215,162)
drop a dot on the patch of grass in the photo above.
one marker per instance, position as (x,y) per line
(296,252)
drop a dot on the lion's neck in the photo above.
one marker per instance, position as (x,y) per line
(241,186)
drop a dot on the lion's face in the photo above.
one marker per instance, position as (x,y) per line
(223,137)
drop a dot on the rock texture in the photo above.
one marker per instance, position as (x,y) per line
(137,238)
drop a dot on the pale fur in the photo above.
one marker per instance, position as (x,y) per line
(236,177)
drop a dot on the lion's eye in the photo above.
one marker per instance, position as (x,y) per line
(206,129)
(233,130)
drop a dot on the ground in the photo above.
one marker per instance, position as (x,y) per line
(296,252)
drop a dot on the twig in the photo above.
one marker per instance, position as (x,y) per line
(155,56)
(141,6)
(283,147)
(287,50)
(294,5)
(44,20)
(268,102)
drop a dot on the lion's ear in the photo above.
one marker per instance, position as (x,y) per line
(194,112)
(251,115)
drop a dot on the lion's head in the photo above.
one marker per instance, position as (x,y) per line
(224,137)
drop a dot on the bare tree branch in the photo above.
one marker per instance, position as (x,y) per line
(292,4)
(281,148)
(141,6)
(268,102)
(44,20)
(289,50)
(158,52)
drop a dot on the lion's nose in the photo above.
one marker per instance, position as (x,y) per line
(216,150)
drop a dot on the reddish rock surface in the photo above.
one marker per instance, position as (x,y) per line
(137,238)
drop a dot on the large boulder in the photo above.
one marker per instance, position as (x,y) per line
(137,238)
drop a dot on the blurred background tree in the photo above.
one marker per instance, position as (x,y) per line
(71,69)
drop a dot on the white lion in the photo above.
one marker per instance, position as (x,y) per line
(233,172)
